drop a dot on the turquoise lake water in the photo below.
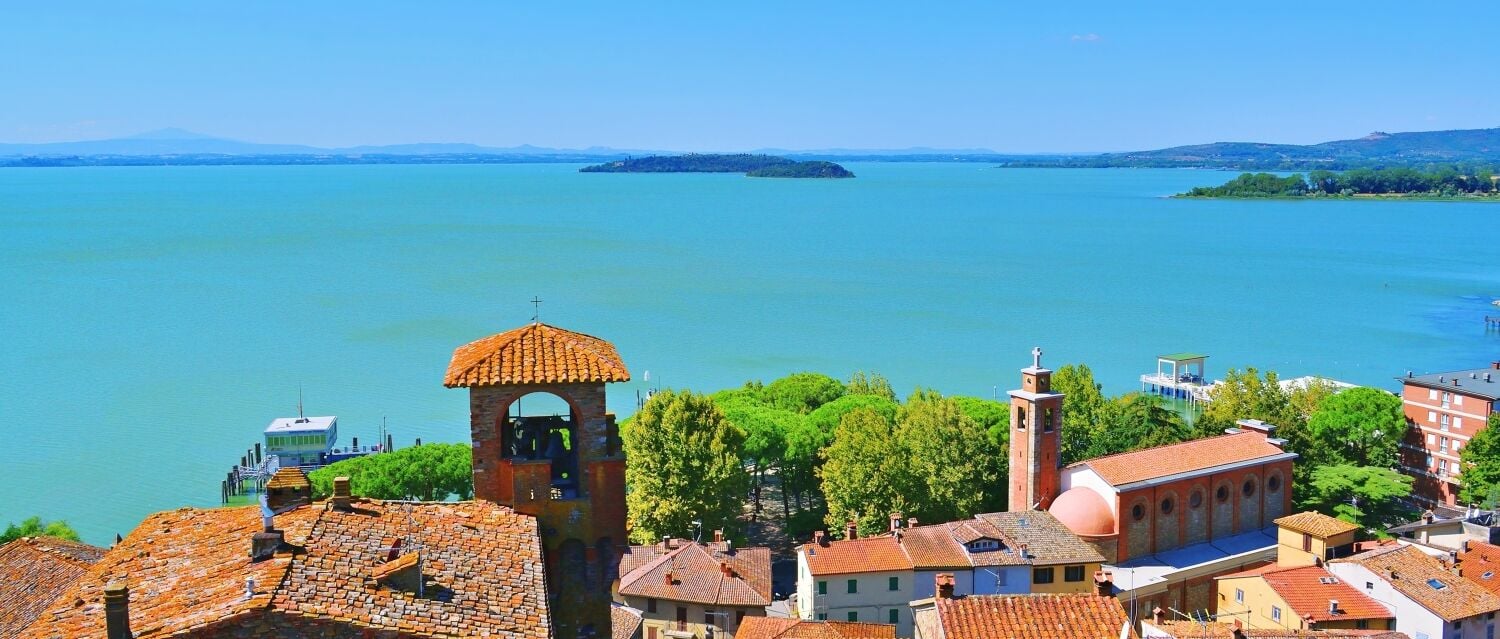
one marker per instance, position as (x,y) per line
(154,320)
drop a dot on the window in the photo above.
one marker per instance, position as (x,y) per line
(1222,494)
(1020,418)
(895,583)
(822,616)
(1455,445)
(1138,512)
(1369,585)
(1196,499)
(1431,438)
(853,586)
(1436,584)
(708,617)
(1458,400)
(1249,488)
(1431,393)
(651,605)
(1167,505)
(822,587)
(681,614)
(1444,421)
(1306,542)
(1458,422)
(1047,420)
(1432,417)
(1041,575)
(853,615)
(1274,483)
(895,616)
(1276,613)
(1073,573)
(1239,596)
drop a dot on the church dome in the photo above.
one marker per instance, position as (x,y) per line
(1084,512)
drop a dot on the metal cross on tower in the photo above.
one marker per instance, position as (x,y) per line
(1036,357)
(536,308)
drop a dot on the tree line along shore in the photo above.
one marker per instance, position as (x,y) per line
(809,452)
(1445,182)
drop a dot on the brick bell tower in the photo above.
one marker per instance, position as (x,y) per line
(566,471)
(1035,442)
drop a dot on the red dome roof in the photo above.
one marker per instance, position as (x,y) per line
(1084,512)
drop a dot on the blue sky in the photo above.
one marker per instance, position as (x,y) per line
(1056,76)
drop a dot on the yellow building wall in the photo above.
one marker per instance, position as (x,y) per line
(1289,547)
(665,618)
(1060,584)
(1256,610)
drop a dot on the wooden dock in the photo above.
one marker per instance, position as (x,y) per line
(1491,322)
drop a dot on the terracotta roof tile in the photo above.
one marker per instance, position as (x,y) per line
(1196,630)
(289,477)
(1316,524)
(1199,454)
(34,571)
(624,622)
(1308,589)
(867,554)
(697,575)
(187,570)
(779,628)
(933,547)
(1048,541)
(1456,599)
(535,354)
(1481,565)
(1032,617)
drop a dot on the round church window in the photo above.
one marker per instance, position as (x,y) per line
(1196,499)
(1166,506)
(1274,483)
(1138,512)
(1248,488)
(1222,494)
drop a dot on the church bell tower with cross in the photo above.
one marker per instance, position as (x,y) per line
(1035,441)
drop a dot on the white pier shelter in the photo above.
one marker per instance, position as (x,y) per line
(1179,376)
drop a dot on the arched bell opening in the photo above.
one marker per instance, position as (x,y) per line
(544,426)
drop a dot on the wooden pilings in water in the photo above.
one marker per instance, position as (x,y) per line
(1491,322)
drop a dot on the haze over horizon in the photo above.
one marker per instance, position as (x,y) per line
(1080,78)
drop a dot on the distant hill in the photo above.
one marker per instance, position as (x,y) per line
(177,142)
(752,165)
(1377,149)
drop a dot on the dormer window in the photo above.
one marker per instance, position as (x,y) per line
(983,545)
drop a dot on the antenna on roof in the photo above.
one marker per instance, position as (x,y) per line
(536,309)
(300,418)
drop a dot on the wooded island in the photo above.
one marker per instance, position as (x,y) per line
(750,165)
(1443,182)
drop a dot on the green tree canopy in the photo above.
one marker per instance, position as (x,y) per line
(430,472)
(1135,421)
(865,472)
(1481,465)
(1365,495)
(1083,410)
(683,462)
(873,384)
(1360,427)
(36,527)
(802,392)
(827,417)
(993,417)
(961,470)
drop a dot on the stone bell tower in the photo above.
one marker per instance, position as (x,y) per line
(567,471)
(1035,442)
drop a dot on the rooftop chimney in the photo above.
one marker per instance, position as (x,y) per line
(1495,365)
(341,494)
(669,578)
(1239,629)
(263,545)
(1158,616)
(1022,549)
(1333,606)
(724,568)
(1104,583)
(895,522)
(911,522)
(944,583)
(820,538)
(1256,425)
(851,529)
(1428,516)
(117,611)
(1486,377)
(666,542)
(719,536)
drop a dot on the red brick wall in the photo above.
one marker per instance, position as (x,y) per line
(1157,531)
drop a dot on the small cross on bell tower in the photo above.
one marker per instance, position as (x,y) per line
(1035,444)
(536,309)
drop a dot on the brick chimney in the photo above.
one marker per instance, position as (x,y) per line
(726,569)
(1495,365)
(895,521)
(1239,629)
(666,542)
(911,522)
(1158,616)
(669,578)
(341,494)
(820,538)
(944,583)
(117,611)
(1104,585)
(851,529)
(719,536)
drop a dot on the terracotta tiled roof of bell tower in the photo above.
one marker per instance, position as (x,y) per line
(535,354)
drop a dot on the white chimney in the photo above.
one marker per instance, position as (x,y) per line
(249,587)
